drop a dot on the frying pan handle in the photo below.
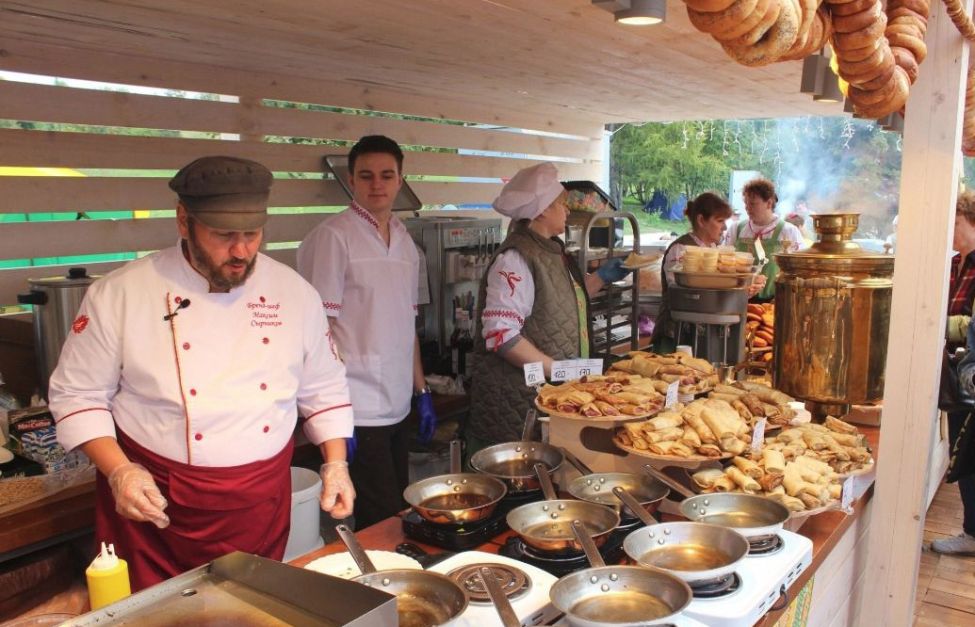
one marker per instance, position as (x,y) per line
(355,549)
(529,429)
(575,461)
(455,453)
(583,538)
(501,603)
(634,506)
(543,478)
(673,484)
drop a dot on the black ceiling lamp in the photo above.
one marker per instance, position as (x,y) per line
(635,12)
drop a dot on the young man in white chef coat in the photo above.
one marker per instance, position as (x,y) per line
(183,378)
(366,268)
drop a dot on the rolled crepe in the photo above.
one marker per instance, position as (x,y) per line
(790,435)
(743,481)
(834,424)
(721,396)
(661,448)
(779,489)
(717,424)
(810,501)
(743,411)
(860,455)
(631,410)
(815,441)
(690,437)
(733,445)
(820,467)
(841,452)
(773,460)
(724,483)
(709,450)
(846,439)
(771,481)
(748,467)
(681,449)
(607,409)
(835,491)
(666,421)
(663,435)
(705,478)
(792,504)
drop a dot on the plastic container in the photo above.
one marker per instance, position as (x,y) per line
(305,534)
(108,578)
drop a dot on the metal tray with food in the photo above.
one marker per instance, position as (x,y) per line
(713,280)
(609,397)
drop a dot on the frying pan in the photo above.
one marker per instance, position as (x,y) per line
(753,516)
(514,462)
(547,525)
(455,498)
(617,596)
(501,603)
(597,487)
(423,598)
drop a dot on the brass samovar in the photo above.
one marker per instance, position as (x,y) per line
(832,316)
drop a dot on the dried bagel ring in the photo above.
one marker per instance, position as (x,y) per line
(905,60)
(833,3)
(858,21)
(760,29)
(866,69)
(880,79)
(912,43)
(921,7)
(905,29)
(850,8)
(735,31)
(708,6)
(859,54)
(861,38)
(874,96)
(906,16)
(894,102)
(818,37)
(722,20)
(776,41)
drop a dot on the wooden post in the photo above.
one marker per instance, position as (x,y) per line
(929,186)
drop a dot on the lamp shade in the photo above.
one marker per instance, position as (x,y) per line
(831,89)
(643,13)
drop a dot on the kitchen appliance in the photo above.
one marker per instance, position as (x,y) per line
(832,316)
(458,251)
(243,589)
(527,588)
(562,563)
(712,320)
(56,301)
(467,535)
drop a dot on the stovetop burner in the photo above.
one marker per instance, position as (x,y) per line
(514,583)
(767,545)
(564,562)
(468,536)
(716,588)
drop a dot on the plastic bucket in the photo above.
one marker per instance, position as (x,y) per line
(305,535)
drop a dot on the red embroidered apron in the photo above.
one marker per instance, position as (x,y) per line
(213,511)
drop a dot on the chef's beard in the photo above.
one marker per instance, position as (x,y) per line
(211,271)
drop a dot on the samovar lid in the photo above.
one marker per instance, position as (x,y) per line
(835,251)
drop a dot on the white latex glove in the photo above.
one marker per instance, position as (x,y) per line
(758,283)
(337,491)
(136,495)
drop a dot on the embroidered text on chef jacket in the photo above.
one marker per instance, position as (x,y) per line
(369,291)
(220,384)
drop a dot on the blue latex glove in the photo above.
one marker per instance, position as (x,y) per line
(611,271)
(428,417)
(351,444)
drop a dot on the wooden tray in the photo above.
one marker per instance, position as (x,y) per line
(674,460)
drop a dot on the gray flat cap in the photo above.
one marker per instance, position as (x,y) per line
(225,193)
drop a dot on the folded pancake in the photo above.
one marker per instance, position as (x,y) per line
(743,481)
(590,410)
(748,467)
(662,448)
(834,424)
(773,460)
(820,467)
(724,484)
(697,423)
(770,481)
(791,503)
(690,437)
(810,501)
(705,478)
(733,445)
(666,421)
(606,408)
(664,435)
(710,450)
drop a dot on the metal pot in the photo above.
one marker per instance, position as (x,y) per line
(514,462)
(695,552)
(597,487)
(547,525)
(423,598)
(56,301)
(618,596)
(456,498)
(832,317)
(751,515)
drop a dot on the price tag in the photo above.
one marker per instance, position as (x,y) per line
(671,394)
(846,497)
(534,374)
(564,370)
(588,367)
(758,436)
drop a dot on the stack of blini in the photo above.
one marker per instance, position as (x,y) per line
(727,260)
(700,259)
(759,32)
(706,427)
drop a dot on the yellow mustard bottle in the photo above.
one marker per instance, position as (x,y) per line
(108,578)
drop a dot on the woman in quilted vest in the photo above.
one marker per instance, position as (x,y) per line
(533,305)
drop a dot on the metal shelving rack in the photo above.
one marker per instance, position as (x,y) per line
(616,304)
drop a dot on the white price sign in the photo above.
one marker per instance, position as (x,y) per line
(671,394)
(534,374)
(846,497)
(568,369)
(758,435)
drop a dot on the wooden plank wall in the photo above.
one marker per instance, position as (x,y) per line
(244,128)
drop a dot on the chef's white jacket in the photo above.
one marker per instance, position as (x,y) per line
(220,384)
(369,291)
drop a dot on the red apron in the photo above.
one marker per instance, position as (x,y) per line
(213,511)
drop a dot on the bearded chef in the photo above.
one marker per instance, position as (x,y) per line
(183,379)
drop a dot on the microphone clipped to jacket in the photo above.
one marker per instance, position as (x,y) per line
(183,304)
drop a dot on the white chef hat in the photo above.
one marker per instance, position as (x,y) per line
(529,192)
